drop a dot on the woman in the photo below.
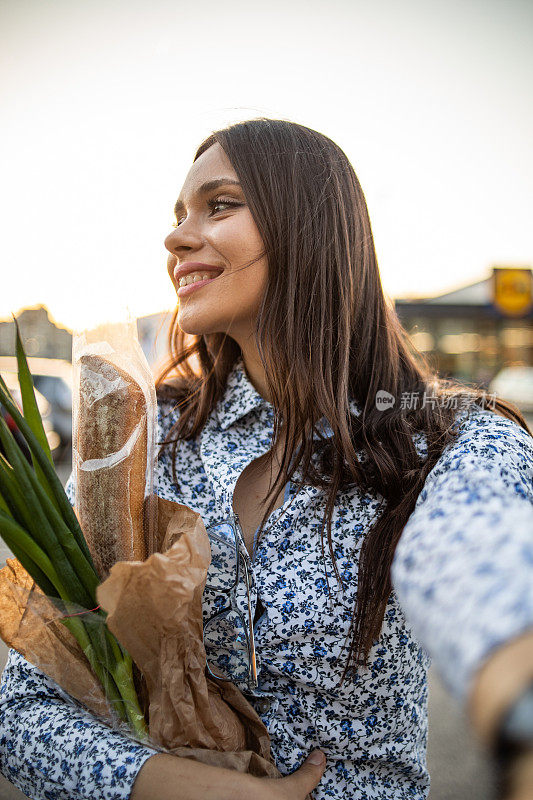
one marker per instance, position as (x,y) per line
(385,513)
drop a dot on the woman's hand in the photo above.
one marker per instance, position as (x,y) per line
(499,683)
(167,777)
(519,778)
(296,786)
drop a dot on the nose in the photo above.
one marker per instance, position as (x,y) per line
(184,238)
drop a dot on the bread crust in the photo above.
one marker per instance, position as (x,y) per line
(111,441)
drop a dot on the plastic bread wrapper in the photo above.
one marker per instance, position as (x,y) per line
(155,611)
(114,425)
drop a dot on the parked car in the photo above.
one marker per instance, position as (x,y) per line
(515,384)
(45,410)
(59,395)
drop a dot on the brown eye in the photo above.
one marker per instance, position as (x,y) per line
(217,202)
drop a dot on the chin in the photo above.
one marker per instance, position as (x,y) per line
(194,325)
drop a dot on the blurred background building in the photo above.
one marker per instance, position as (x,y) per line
(476,330)
(480,334)
(41,336)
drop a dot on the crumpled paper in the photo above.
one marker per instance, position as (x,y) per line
(28,624)
(155,611)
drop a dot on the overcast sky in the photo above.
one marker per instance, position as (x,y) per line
(103,103)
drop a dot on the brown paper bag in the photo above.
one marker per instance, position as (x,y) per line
(28,624)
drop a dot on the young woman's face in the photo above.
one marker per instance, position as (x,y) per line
(215,227)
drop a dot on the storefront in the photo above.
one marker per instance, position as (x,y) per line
(471,333)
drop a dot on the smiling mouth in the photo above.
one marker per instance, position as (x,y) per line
(195,277)
(187,288)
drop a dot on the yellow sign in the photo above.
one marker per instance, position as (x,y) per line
(512,290)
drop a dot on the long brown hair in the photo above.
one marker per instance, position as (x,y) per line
(326,335)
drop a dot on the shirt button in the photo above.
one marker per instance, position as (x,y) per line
(263,706)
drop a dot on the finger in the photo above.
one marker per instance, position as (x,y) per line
(520,778)
(308,776)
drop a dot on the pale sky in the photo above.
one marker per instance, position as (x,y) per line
(104,102)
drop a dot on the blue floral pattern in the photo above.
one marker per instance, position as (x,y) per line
(53,748)
(462,586)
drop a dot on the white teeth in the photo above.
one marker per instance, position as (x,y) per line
(193,278)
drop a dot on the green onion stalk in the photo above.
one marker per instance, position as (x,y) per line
(38,524)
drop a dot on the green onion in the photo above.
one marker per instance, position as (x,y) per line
(27,552)
(38,523)
(52,481)
(29,404)
(12,496)
(3,506)
(83,568)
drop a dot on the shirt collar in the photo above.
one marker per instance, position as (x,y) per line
(240,397)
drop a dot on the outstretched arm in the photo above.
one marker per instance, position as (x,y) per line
(463,569)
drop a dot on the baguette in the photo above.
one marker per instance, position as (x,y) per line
(111,440)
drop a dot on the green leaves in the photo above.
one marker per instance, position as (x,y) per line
(49,480)
(29,403)
(29,554)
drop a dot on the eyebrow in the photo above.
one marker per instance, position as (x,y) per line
(206,187)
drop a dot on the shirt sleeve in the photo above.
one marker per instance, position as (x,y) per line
(463,568)
(52,747)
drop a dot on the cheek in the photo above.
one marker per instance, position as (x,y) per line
(171,263)
(239,238)
(254,285)
(253,243)
(240,294)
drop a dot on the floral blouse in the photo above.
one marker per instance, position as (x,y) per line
(462,585)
